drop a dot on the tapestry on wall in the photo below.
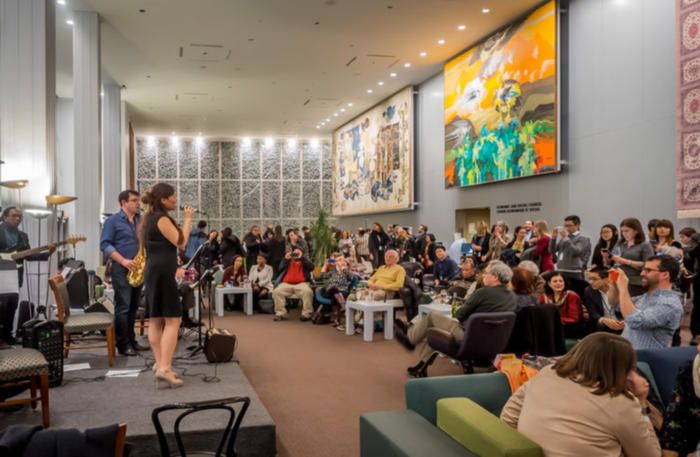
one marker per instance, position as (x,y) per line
(373,159)
(688,109)
(501,115)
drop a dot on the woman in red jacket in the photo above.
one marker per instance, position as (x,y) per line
(540,231)
(568,302)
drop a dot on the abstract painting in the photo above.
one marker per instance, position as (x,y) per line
(501,115)
(373,159)
(688,110)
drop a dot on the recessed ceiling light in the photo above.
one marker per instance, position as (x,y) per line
(461,27)
(423,54)
(323,123)
(349,104)
(342,110)
(61,2)
(369,91)
(441,41)
(335,114)
(380,83)
(318,126)
(69,22)
(393,75)
(328,120)
(407,65)
(485,10)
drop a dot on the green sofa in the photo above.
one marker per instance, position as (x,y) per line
(446,416)
(451,416)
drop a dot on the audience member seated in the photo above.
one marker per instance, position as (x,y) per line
(234,275)
(444,269)
(388,280)
(680,433)
(467,280)
(539,281)
(584,404)
(523,286)
(568,302)
(604,317)
(494,296)
(261,279)
(336,285)
(294,279)
(651,319)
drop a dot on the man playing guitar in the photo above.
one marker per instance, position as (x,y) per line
(12,239)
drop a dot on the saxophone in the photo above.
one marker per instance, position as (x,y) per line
(135,277)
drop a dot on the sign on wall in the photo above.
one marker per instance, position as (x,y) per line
(501,115)
(373,159)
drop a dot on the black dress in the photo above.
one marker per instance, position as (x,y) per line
(162,299)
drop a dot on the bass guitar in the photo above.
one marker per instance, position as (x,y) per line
(19,255)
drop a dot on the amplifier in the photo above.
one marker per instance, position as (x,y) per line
(219,346)
(47,338)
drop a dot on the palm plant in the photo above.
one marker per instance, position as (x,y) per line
(322,237)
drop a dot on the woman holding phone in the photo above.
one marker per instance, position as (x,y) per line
(607,242)
(631,253)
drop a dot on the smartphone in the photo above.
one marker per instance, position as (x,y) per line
(604,250)
(614,274)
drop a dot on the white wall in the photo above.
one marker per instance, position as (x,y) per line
(620,149)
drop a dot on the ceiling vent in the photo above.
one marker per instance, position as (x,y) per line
(201,52)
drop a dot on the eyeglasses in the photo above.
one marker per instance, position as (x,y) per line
(649,270)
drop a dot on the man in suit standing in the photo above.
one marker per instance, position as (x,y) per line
(572,251)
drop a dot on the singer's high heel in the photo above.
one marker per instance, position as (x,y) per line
(170,378)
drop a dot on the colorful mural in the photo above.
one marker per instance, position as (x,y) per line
(501,104)
(373,159)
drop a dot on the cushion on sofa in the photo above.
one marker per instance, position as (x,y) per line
(405,434)
(664,365)
(481,432)
(490,390)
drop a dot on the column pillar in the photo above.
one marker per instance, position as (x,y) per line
(111,147)
(86,108)
(27,99)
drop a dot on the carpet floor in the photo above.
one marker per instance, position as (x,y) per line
(316,382)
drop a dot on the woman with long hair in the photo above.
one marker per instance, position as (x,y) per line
(631,253)
(275,248)
(498,241)
(663,236)
(540,231)
(522,284)
(234,275)
(161,238)
(556,292)
(602,251)
(480,241)
(590,402)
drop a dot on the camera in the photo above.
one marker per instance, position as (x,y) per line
(296,255)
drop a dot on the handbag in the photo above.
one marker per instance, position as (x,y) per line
(135,277)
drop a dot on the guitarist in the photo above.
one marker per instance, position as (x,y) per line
(13,239)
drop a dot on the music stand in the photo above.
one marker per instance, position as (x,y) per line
(39,215)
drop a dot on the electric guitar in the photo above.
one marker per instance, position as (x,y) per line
(19,255)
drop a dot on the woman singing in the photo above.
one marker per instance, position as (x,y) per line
(162,238)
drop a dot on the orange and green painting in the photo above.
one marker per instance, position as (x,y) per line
(501,104)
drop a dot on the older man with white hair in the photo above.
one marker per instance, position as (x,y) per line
(493,297)
(388,280)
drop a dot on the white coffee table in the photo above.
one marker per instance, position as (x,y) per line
(368,309)
(442,308)
(247,303)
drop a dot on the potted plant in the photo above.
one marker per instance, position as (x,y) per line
(323,240)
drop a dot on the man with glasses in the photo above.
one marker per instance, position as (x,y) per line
(493,297)
(120,242)
(604,316)
(652,318)
(571,251)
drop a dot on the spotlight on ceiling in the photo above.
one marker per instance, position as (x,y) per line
(69,22)
(423,54)
(407,65)
(461,27)
(61,2)
(393,75)
(485,10)
(441,41)
(349,104)
(369,91)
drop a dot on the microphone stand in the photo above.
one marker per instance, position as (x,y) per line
(196,261)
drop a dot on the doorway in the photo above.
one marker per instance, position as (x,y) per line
(466,219)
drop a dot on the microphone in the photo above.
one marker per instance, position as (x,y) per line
(196,211)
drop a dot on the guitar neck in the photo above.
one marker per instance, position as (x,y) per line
(38,250)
